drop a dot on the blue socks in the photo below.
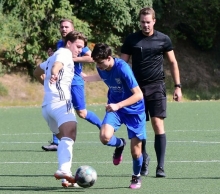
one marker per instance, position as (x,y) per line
(114,142)
(93,118)
(55,139)
(137,164)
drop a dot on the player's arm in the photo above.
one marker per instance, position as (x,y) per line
(86,58)
(174,69)
(137,95)
(39,74)
(57,66)
(91,78)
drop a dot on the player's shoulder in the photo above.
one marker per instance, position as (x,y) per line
(121,64)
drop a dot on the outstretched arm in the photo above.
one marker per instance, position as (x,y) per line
(86,58)
(91,78)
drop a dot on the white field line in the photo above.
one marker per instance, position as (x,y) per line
(110,162)
(96,132)
(98,142)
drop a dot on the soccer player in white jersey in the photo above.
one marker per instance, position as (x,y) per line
(57,108)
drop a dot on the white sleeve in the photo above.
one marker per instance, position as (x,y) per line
(64,57)
(44,65)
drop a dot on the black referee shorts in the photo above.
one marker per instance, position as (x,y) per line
(155,100)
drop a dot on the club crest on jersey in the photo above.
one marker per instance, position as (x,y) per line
(118,81)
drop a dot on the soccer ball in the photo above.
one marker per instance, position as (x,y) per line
(85,176)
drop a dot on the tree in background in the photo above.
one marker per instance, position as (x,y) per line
(110,20)
(198,20)
(11,33)
(40,23)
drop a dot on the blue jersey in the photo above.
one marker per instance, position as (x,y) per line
(77,79)
(120,80)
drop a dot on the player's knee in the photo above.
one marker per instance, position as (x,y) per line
(104,139)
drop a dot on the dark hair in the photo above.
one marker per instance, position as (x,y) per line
(74,35)
(147,11)
(101,51)
(66,20)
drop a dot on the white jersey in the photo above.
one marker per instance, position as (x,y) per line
(61,90)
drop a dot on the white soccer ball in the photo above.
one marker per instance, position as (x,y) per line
(86,176)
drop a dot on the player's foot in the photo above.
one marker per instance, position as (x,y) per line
(145,164)
(51,147)
(117,156)
(135,182)
(61,175)
(66,183)
(160,172)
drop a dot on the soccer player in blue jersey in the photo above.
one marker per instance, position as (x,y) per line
(125,106)
(77,86)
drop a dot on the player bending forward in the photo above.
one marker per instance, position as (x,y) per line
(125,106)
(57,108)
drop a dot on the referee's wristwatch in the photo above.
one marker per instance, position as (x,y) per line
(178,86)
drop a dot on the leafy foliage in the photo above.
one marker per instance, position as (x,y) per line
(197,20)
(110,20)
(40,23)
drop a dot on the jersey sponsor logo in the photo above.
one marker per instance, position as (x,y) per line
(116,88)
(118,80)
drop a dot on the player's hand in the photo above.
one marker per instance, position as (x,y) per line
(53,79)
(50,52)
(177,95)
(111,107)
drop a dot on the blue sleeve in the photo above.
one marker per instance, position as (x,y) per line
(84,51)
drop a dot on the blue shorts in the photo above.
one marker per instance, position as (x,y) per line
(135,123)
(78,97)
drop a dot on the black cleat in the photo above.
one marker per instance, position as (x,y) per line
(160,172)
(145,164)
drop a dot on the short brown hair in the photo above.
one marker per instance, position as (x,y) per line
(74,35)
(147,11)
(66,20)
(101,51)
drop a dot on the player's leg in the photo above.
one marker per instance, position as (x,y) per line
(159,144)
(79,104)
(136,127)
(110,124)
(157,109)
(63,123)
(137,158)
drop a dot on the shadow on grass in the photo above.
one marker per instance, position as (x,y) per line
(23,151)
(34,188)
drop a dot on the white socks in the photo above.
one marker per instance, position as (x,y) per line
(64,154)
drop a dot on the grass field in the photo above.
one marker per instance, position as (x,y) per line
(192,158)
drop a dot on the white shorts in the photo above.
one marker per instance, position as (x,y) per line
(58,113)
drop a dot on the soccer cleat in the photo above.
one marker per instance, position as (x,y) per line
(61,175)
(135,182)
(52,147)
(66,184)
(160,172)
(117,156)
(145,164)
